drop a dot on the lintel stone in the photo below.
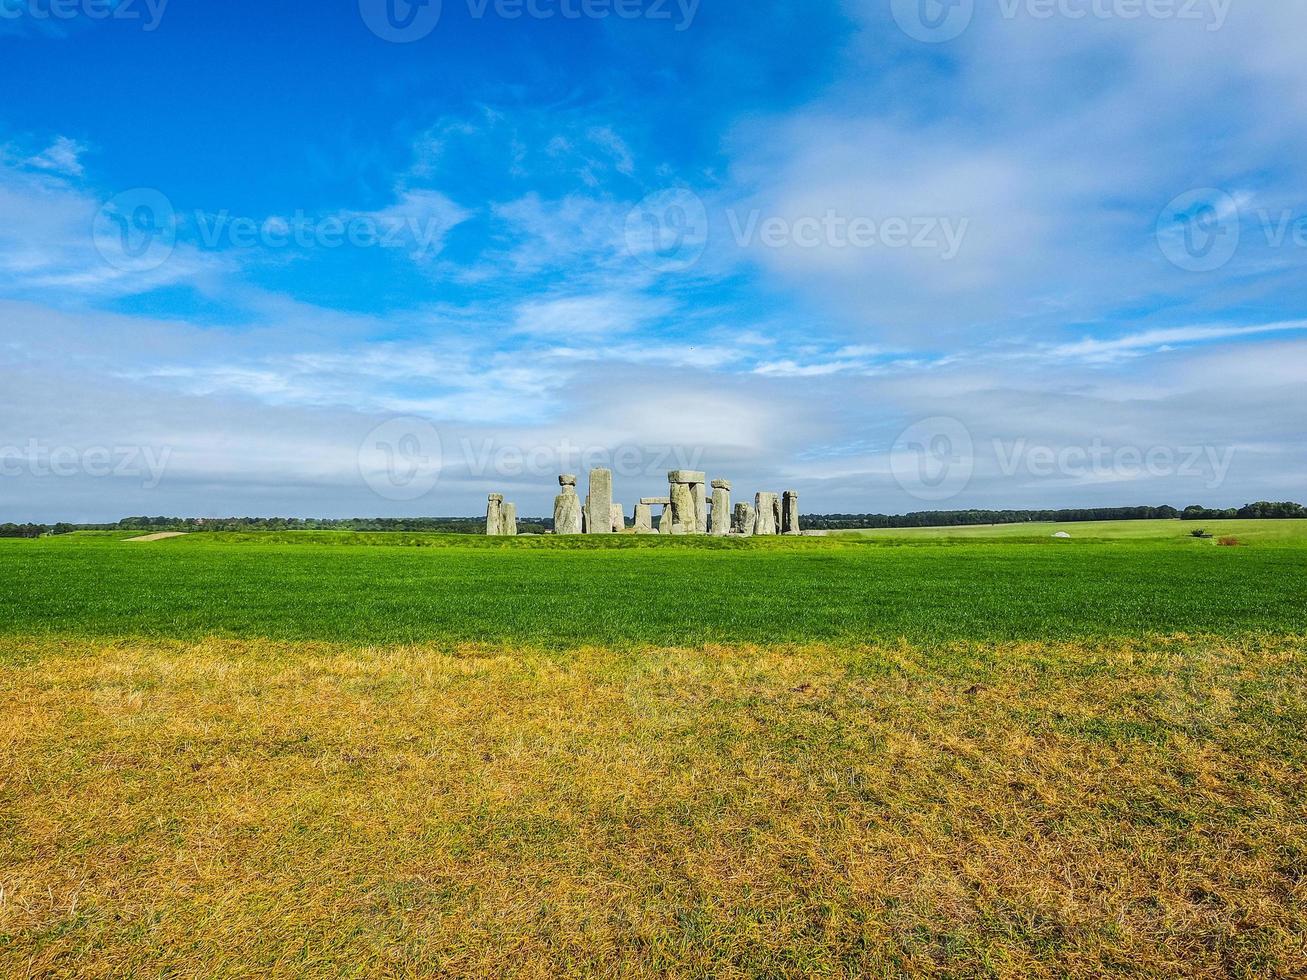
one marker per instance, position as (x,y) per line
(686,476)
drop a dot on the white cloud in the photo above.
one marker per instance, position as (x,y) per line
(1058,140)
(596,317)
(61,157)
(1131,345)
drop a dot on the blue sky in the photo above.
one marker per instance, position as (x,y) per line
(895,254)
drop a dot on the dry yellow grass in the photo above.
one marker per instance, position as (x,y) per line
(260,810)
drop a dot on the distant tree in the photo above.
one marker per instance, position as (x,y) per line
(22,530)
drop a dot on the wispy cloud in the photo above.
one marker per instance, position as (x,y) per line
(597,316)
(61,157)
(1150,341)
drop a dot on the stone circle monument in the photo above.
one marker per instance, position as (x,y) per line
(687,509)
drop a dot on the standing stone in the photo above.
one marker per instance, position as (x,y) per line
(776,512)
(600,517)
(567,507)
(495,516)
(721,507)
(665,520)
(617,518)
(742,522)
(683,508)
(689,509)
(700,507)
(508,520)
(767,506)
(790,513)
(644,519)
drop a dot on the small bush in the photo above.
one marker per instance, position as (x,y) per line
(1229,542)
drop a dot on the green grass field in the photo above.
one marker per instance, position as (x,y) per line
(961,752)
(410,588)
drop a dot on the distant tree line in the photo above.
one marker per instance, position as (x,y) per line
(438,525)
(1262,510)
(970,518)
(23,530)
(966,518)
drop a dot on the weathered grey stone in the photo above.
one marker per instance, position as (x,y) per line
(617,519)
(776,512)
(600,518)
(683,505)
(721,510)
(656,501)
(508,520)
(567,511)
(644,519)
(665,520)
(494,515)
(767,506)
(722,485)
(686,476)
(567,480)
(742,522)
(679,529)
(700,508)
(790,513)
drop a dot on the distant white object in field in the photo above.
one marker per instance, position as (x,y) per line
(1061,534)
